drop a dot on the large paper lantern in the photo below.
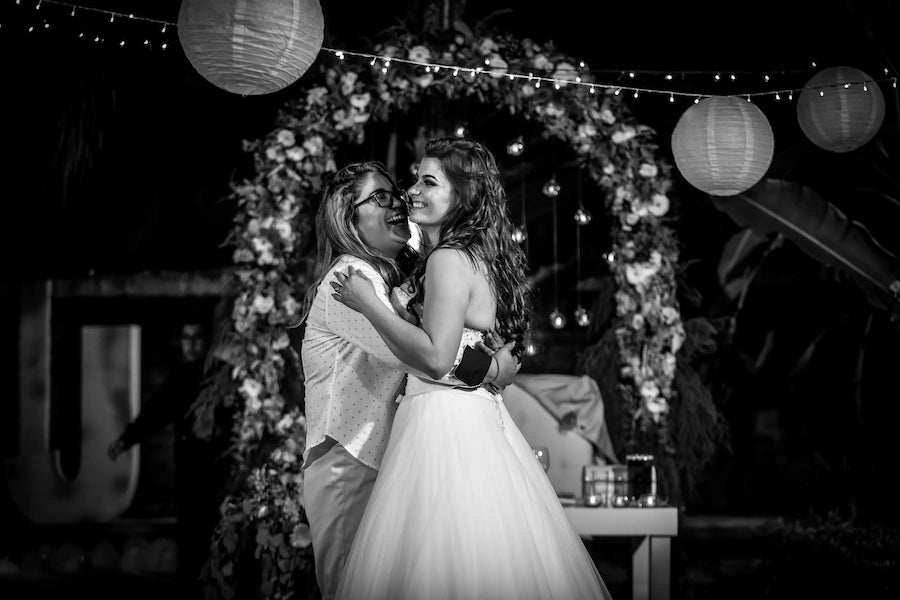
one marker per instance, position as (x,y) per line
(840,109)
(723,145)
(251,47)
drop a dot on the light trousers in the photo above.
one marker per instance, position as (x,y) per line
(336,489)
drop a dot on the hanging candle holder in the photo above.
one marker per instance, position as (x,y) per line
(551,189)
(520,235)
(582,217)
(557,319)
(515,147)
(582,317)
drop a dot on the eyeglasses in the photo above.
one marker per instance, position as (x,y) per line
(383,198)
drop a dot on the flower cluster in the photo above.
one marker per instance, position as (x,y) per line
(273,223)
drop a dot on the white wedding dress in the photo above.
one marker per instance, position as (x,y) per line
(462,509)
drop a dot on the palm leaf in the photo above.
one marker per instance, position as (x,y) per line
(732,270)
(820,230)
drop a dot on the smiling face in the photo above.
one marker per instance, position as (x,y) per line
(384,230)
(431,197)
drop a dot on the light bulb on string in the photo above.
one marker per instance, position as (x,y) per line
(582,217)
(460,131)
(557,319)
(552,188)
(531,349)
(582,317)
(515,147)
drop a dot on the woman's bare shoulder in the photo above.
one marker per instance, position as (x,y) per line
(451,258)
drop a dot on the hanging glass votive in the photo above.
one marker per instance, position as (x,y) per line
(520,235)
(557,319)
(531,349)
(551,188)
(582,217)
(515,147)
(582,317)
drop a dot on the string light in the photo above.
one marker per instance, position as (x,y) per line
(74,9)
(592,86)
(536,80)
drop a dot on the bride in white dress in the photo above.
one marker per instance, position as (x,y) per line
(461,509)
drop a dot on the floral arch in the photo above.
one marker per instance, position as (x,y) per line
(265,516)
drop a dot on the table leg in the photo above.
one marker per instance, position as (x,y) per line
(660,565)
(640,570)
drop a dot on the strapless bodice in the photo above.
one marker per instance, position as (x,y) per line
(418,384)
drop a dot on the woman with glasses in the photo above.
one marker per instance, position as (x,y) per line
(461,509)
(351,378)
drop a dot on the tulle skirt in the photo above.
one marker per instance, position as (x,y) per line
(461,509)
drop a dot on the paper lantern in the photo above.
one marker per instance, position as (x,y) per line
(251,48)
(840,109)
(723,145)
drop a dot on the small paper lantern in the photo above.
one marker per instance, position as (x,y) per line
(723,145)
(840,109)
(251,48)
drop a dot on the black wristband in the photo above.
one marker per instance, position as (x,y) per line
(473,367)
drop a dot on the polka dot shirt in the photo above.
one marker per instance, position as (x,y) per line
(352,378)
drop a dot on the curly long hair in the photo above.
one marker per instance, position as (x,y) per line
(478,224)
(337,234)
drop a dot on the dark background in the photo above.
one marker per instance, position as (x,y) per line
(118,159)
(117,162)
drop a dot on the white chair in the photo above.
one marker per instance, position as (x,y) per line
(568,450)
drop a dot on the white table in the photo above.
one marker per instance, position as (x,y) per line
(655,528)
